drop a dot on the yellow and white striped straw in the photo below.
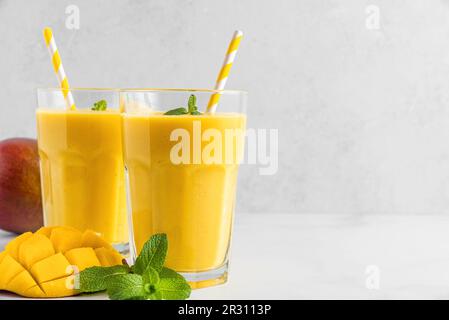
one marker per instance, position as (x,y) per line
(59,69)
(225,69)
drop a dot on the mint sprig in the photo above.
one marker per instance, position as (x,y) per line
(191,108)
(125,287)
(172,285)
(94,279)
(177,111)
(153,254)
(100,105)
(152,279)
(148,279)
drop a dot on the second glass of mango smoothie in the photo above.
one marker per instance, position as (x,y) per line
(182,166)
(81,158)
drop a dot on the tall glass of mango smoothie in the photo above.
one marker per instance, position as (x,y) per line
(81,159)
(181,165)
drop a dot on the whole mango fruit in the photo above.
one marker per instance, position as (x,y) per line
(20,187)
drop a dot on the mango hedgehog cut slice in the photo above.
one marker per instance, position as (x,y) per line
(43,264)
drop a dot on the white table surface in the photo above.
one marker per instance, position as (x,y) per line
(289,256)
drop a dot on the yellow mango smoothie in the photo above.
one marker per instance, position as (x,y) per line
(82,171)
(182,172)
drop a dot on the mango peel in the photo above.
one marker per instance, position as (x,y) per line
(44,264)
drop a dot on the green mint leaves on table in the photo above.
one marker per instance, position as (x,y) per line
(94,279)
(148,279)
(126,287)
(172,286)
(100,105)
(153,254)
(191,108)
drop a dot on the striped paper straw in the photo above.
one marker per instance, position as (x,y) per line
(225,69)
(59,69)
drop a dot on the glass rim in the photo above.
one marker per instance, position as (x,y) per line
(131,90)
(204,90)
(82,89)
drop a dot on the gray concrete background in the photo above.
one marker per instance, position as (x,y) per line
(362,113)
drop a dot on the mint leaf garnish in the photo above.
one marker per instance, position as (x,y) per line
(192,103)
(125,287)
(177,111)
(172,285)
(150,276)
(94,279)
(148,279)
(191,108)
(153,254)
(156,295)
(151,279)
(100,105)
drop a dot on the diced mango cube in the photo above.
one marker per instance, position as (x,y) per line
(45,231)
(64,239)
(13,247)
(51,268)
(34,249)
(92,239)
(59,288)
(34,292)
(9,268)
(21,282)
(102,257)
(108,257)
(82,258)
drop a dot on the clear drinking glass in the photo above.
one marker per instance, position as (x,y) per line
(182,174)
(81,160)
